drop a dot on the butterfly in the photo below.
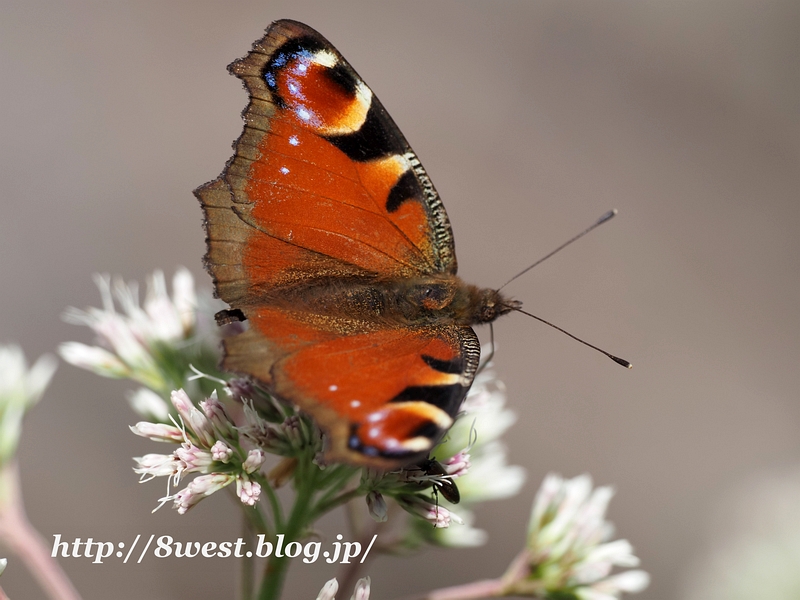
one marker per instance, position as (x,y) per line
(326,234)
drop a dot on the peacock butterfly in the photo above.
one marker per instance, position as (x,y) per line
(325,232)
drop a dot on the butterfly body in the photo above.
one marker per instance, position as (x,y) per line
(418,301)
(325,233)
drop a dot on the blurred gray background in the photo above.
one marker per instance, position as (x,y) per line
(533,118)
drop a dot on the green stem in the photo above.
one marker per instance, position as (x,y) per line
(247,582)
(334,481)
(275,505)
(258,522)
(326,506)
(487,588)
(277,566)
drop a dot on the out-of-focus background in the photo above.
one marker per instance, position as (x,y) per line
(533,118)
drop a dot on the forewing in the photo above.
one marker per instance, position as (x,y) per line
(322,181)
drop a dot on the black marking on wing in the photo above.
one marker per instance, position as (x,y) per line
(429,429)
(340,75)
(455,366)
(291,49)
(229,315)
(372,140)
(406,188)
(355,443)
(446,397)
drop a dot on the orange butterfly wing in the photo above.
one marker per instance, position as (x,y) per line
(323,191)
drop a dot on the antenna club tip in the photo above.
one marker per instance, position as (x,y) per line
(621,361)
(610,214)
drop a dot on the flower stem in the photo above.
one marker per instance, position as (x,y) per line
(247,574)
(26,542)
(277,566)
(486,588)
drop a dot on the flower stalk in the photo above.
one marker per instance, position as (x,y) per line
(24,541)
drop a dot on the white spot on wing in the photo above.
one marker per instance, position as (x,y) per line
(294,141)
(302,113)
(284,170)
(325,58)
(417,444)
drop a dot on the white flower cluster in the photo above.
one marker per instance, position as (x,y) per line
(209,444)
(129,342)
(20,388)
(568,549)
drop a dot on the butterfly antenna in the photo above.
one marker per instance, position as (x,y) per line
(616,359)
(599,222)
(488,359)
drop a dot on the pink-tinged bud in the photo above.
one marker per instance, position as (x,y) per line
(292,428)
(158,432)
(328,591)
(199,488)
(376,504)
(195,420)
(458,465)
(241,389)
(437,515)
(255,458)
(157,465)
(195,459)
(362,589)
(215,412)
(248,491)
(221,452)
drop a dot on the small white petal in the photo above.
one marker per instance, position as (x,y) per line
(158,432)
(362,589)
(585,593)
(185,298)
(618,552)
(93,358)
(40,375)
(148,404)
(328,591)
(462,536)
(627,581)
(489,477)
